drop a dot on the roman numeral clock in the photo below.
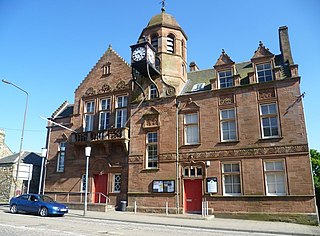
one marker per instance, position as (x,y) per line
(143,59)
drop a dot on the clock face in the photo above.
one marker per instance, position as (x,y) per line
(138,54)
(151,56)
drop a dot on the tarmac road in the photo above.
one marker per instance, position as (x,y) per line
(126,223)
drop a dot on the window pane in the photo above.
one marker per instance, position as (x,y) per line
(191,118)
(227,167)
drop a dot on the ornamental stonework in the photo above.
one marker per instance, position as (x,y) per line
(226,100)
(105,88)
(151,121)
(122,86)
(90,91)
(135,159)
(245,152)
(266,94)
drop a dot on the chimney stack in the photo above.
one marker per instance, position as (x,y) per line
(285,45)
(193,66)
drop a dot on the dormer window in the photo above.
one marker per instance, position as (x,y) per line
(198,87)
(264,72)
(170,44)
(225,79)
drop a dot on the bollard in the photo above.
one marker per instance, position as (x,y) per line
(167,212)
(135,207)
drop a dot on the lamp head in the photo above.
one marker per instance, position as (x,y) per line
(87,151)
(6,81)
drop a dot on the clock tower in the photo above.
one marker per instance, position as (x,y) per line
(164,43)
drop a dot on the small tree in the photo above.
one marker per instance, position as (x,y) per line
(315,161)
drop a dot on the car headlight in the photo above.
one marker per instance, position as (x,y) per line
(55,208)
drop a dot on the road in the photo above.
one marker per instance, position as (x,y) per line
(126,223)
(70,225)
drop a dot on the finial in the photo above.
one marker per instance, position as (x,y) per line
(260,44)
(163,3)
(223,52)
(110,46)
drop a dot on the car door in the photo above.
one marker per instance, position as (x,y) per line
(22,202)
(33,204)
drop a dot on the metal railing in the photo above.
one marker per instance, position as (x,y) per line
(75,197)
(103,135)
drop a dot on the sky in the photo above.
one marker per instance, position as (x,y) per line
(47,47)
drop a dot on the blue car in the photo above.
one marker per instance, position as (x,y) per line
(37,204)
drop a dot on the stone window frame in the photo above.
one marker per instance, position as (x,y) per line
(231,173)
(61,156)
(195,169)
(155,145)
(154,39)
(269,116)
(228,120)
(121,110)
(275,172)
(187,125)
(153,92)
(106,69)
(225,77)
(88,115)
(116,184)
(106,110)
(263,71)
(171,39)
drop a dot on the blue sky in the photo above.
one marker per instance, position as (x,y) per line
(47,47)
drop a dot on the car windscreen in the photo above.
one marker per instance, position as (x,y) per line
(46,199)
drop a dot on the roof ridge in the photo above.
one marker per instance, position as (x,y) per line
(110,49)
(59,109)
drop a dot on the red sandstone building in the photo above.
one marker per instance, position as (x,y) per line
(231,138)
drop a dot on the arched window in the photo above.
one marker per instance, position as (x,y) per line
(170,43)
(154,42)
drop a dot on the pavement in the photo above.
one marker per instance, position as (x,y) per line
(200,222)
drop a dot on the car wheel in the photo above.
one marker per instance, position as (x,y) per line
(14,209)
(43,212)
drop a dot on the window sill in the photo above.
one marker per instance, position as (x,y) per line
(150,170)
(271,139)
(233,142)
(190,145)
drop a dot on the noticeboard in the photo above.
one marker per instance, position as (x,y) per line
(163,186)
(212,185)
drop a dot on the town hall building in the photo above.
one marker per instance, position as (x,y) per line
(168,136)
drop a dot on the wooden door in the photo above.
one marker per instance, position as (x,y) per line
(193,195)
(100,186)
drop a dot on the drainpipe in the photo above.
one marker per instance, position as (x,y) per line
(177,156)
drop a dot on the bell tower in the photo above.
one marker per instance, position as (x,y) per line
(169,42)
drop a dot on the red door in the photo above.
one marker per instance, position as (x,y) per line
(192,195)
(100,186)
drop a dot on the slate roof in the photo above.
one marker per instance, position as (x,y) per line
(243,68)
(27,157)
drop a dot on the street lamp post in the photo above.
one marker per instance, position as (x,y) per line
(43,155)
(87,154)
(22,132)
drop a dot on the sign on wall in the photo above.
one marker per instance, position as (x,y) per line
(212,185)
(163,186)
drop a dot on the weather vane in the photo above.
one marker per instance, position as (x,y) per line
(163,3)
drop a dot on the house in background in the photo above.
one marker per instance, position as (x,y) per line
(4,149)
(231,138)
(8,170)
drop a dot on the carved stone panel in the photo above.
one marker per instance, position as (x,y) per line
(266,94)
(226,100)
(151,120)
